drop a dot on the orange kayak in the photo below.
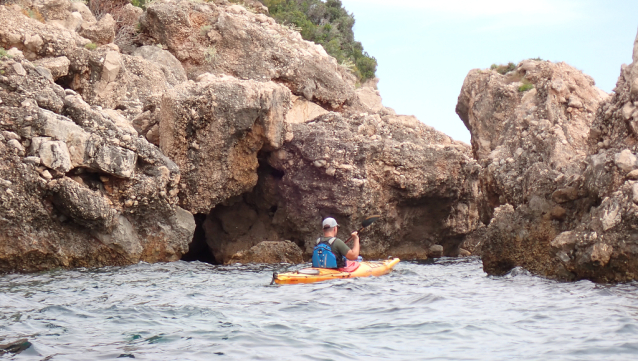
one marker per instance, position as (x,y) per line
(312,275)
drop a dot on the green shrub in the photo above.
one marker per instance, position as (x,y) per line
(3,53)
(526,86)
(503,69)
(326,23)
(141,3)
(91,46)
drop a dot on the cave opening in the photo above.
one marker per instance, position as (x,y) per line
(65,81)
(240,222)
(198,250)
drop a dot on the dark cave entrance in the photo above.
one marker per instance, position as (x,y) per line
(199,250)
(65,81)
(244,220)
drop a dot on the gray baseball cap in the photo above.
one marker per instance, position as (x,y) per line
(329,223)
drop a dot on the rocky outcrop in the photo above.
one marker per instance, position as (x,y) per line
(214,129)
(231,40)
(260,135)
(557,175)
(423,183)
(77,187)
(101,75)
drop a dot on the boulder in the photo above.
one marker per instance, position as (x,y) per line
(58,67)
(101,32)
(55,155)
(270,252)
(172,68)
(435,251)
(228,39)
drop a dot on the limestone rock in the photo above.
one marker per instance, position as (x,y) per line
(411,175)
(115,160)
(86,207)
(53,9)
(55,155)
(83,10)
(213,130)
(435,251)
(270,252)
(370,99)
(101,32)
(58,67)
(86,192)
(558,171)
(112,66)
(625,160)
(303,111)
(228,39)
(172,68)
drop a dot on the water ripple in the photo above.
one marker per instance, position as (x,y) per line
(445,309)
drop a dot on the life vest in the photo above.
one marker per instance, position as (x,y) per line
(324,257)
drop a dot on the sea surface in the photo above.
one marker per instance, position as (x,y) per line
(448,309)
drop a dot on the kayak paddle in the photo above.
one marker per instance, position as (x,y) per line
(366,222)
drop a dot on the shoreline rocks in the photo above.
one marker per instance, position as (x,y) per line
(78,189)
(556,178)
(207,127)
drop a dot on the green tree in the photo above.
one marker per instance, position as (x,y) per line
(326,23)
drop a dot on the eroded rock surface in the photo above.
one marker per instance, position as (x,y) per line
(423,183)
(557,176)
(76,188)
(214,129)
(270,252)
(228,39)
(262,135)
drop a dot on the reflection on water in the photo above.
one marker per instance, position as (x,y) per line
(446,309)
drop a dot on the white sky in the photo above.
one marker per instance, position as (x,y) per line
(425,48)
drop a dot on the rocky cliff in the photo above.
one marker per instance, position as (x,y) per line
(558,170)
(203,130)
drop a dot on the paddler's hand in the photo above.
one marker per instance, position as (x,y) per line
(353,254)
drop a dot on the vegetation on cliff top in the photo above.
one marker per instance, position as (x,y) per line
(329,24)
(324,22)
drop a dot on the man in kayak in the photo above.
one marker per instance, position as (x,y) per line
(337,247)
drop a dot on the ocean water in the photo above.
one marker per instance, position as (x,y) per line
(448,309)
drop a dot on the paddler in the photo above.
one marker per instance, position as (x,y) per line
(332,252)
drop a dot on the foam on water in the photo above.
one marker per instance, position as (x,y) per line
(443,310)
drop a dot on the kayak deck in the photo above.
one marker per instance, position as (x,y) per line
(312,275)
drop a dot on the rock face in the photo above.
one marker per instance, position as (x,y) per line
(260,136)
(214,129)
(270,252)
(557,171)
(76,188)
(352,166)
(349,167)
(231,40)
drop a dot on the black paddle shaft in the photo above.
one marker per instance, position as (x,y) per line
(366,222)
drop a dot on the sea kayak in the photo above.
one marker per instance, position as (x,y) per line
(311,275)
